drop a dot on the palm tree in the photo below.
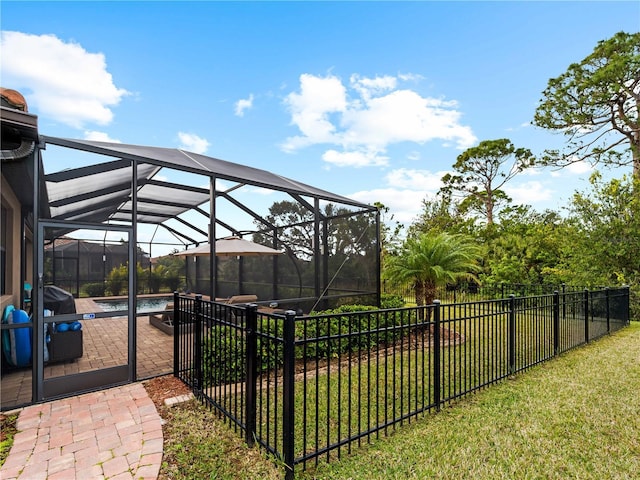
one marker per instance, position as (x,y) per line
(430,261)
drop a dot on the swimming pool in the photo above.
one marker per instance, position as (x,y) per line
(147,304)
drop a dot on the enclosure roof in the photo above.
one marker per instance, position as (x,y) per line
(231,247)
(203,165)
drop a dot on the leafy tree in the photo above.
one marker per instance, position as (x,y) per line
(344,233)
(607,240)
(604,248)
(348,240)
(441,214)
(432,261)
(169,270)
(117,279)
(297,230)
(482,172)
(389,235)
(527,247)
(595,103)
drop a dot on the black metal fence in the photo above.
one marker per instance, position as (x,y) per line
(471,291)
(311,388)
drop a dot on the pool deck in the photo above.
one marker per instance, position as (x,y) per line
(104,345)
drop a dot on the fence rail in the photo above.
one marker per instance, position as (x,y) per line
(309,388)
(471,291)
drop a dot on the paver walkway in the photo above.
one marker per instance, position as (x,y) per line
(112,434)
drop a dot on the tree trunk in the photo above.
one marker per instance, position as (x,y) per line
(418,287)
(489,206)
(430,293)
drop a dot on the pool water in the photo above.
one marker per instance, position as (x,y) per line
(143,304)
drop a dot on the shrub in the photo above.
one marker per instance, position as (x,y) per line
(390,300)
(336,335)
(269,348)
(172,281)
(330,333)
(143,278)
(94,289)
(155,280)
(223,356)
(117,279)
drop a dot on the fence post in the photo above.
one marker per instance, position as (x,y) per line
(606,293)
(197,348)
(250,368)
(585,306)
(512,334)
(564,301)
(556,322)
(628,309)
(176,334)
(437,383)
(288,401)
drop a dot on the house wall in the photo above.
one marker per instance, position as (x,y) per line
(11,207)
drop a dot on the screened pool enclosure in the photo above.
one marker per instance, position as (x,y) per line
(135,222)
(175,201)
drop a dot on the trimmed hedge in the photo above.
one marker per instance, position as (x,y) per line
(330,335)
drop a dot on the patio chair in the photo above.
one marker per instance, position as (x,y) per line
(163,321)
(229,314)
(236,299)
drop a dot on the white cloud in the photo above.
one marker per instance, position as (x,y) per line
(410,77)
(403,116)
(60,80)
(421,180)
(528,193)
(262,191)
(243,104)
(310,110)
(99,136)
(192,143)
(368,87)
(404,204)
(533,171)
(579,168)
(376,115)
(519,127)
(354,158)
(404,192)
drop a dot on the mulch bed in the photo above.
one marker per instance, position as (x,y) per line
(161,388)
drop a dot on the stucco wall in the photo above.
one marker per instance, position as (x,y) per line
(12,206)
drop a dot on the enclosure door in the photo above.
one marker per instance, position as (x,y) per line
(84,347)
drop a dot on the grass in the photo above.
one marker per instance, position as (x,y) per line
(199,446)
(7,432)
(572,417)
(365,393)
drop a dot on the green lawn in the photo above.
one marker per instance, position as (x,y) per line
(370,391)
(575,416)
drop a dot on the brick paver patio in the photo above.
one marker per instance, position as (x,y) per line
(114,433)
(104,345)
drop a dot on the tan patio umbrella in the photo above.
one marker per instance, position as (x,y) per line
(231,247)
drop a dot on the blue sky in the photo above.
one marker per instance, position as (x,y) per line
(371,100)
